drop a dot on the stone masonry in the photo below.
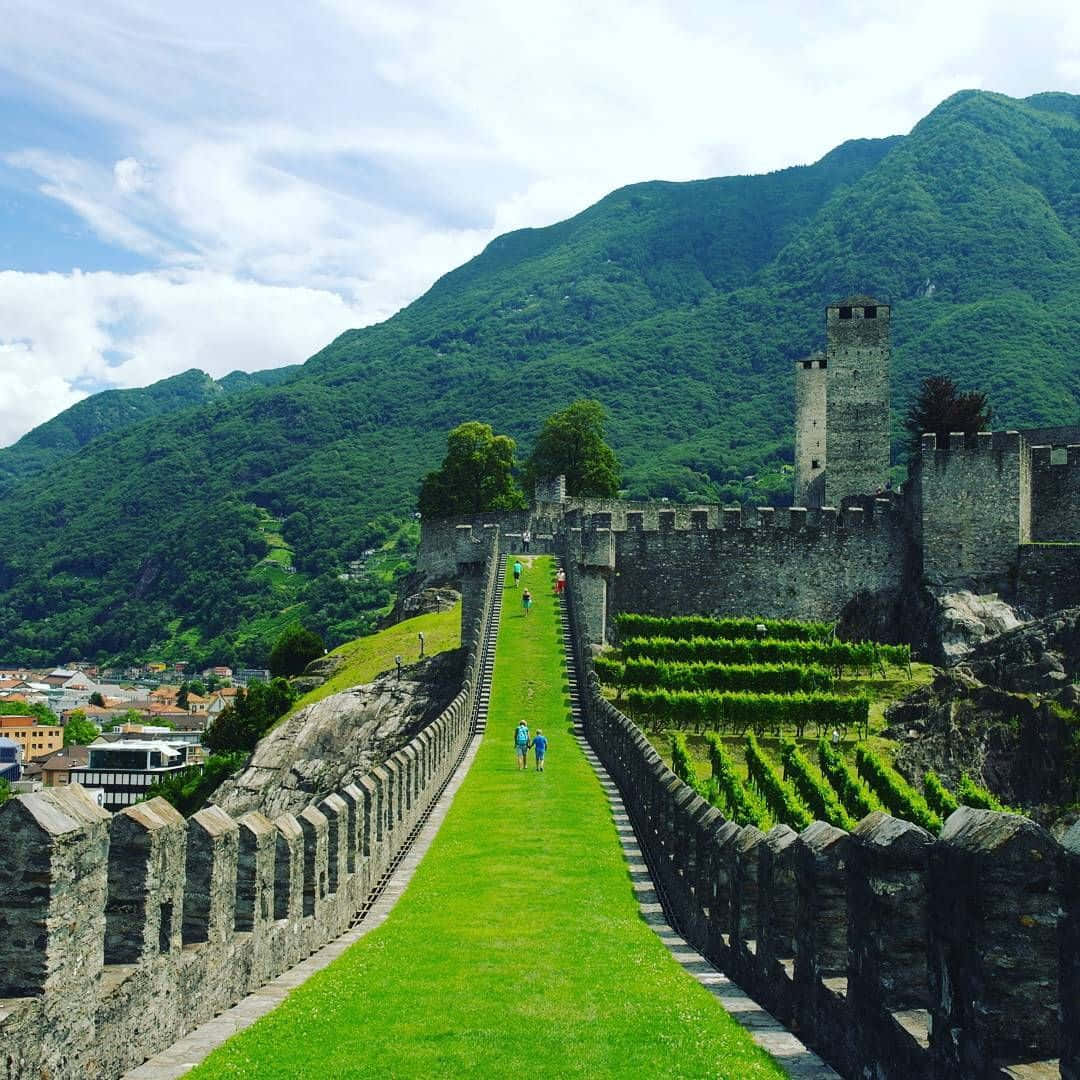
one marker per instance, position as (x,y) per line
(121,933)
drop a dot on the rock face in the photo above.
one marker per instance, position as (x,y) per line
(981,717)
(333,742)
(964,620)
(1042,656)
(417,597)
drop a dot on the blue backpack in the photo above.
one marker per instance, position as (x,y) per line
(521,736)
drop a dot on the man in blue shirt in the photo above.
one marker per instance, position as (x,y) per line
(539,745)
(521,744)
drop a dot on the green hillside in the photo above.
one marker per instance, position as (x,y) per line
(114,410)
(682,306)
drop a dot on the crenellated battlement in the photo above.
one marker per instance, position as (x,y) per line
(123,932)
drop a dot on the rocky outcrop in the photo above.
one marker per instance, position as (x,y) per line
(964,620)
(416,596)
(333,742)
(1042,656)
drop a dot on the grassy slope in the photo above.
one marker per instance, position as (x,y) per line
(367,657)
(517,949)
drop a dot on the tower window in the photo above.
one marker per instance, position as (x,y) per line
(870,313)
(807,364)
(845,313)
(815,464)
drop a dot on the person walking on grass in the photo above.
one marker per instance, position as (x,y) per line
(521,745)
(517,572)
(539,745)
(560,582)
(526,601)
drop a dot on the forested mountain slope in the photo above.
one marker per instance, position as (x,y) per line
(681,306)
(115,409)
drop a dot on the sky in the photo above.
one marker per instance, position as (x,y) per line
(231,186)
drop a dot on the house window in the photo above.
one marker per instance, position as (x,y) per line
(845,313)
(870,313)
(1059,456)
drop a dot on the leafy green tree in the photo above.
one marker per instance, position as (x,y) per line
(129,716)
(477,474)
(941,406)
(79,731)
(572,444)
(196,687)
(182,696)
(97,700)
(5,791)
(294,650)
(190,791)
(242,724)
(42,713)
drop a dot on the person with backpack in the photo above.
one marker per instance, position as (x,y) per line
(539,745)
(521,745)
(517,572)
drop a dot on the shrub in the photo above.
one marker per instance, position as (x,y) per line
(857,798)
(812,788)
(938,797)
(895,793)
(743,806)
(744,711)
(782,800)
(680,675)
(689,626)
(968,793)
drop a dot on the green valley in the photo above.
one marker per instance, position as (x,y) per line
(680,306)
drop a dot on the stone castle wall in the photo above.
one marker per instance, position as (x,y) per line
(121,933)
(891,952)
(1055,493)
(794,563)
(811,452)
(857,410)
(971,513)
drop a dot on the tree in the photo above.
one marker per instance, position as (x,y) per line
(5,791)
(940,407)
(182,696)
(97,700)
(294,650)
(571,443)
(477,474)
(242,724)
(129,716)
(79,731)
(196,687)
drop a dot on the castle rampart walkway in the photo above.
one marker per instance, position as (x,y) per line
(519,948)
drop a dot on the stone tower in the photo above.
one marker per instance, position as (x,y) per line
(810,376)
(857,397)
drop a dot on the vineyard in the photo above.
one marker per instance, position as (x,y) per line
(731,703)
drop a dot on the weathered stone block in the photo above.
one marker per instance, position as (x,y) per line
(53,885)
(147,869)
(210,891)
(255,872)
(316,830)
(993,943)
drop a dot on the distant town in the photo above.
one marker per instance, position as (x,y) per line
(126,729)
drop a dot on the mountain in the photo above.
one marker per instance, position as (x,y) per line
(114,409)
(681,306)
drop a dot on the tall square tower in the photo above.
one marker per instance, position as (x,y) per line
(857,355)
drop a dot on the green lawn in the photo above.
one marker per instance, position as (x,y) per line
(518,949)
(366,657)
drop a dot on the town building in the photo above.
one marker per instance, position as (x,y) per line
(125,769)
(10,761)
(32,737)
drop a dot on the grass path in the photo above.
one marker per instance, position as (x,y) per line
(517,950)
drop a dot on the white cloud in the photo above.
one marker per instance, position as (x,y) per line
(328,166)
(130,176)
(59,329)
